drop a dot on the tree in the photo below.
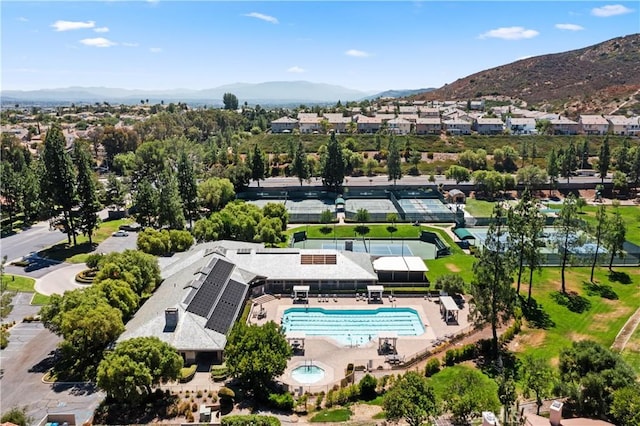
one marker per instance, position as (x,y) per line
(394,166)
(625,407)
(620,182)
(491,290)
(458,173)
(59,178)
(137,364)
(568,163)
(333,165)
(581,203)
(411,398)
(169,203)
(566,239)
(230,101)
(537,378)
(139,269)
(532,177)
(146,203)
(17,416)
(451,284)
(615,235)
(300,166)
(584,155)
(634,169)
(601,224)
(544,127)
(10,189)
(215,193)
(604,159)
(256,355)
(89,205)
(552,169)
(187,187)
(470,393)
(591,374)
(115,192)
(507,393)
(621,157)
(258,165)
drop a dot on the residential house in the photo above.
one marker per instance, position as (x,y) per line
(429,112)
(386,109)
(477,105)
(457,126)
(409,109)
(309,122)
(284,125)
(428,126)
(399,126)
(521,126)
(368,124)
(593,125)
(564,126)
(488,126)
(623,126)
(338,122)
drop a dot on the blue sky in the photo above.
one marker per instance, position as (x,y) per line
(362,45)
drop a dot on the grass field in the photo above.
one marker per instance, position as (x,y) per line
(630,214)
(337,415)
(479,208)
(631,352)
(349,231)
(25,285)
(78,253)
(601,322)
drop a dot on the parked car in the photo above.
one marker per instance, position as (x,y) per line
(120,234)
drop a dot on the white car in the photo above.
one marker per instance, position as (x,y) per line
(120,234)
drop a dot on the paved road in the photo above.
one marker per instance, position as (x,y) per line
(35,238)
(60,280)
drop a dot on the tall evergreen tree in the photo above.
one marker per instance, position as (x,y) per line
(169,203)
(258,165)
(146,203)
(568,163)
(567,225)
(394,168)
(187,187)
(552,169)
(604,159)
(89,205)
(493,295)
(615,235)
(333,165)
(59,178)
(525,226)
(10,189)
(31,202)
(634,170)
(115,192)
(300,164)
(584,155)
(601,224)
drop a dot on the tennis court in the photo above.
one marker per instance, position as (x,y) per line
(426,209)
(309,211)
(378,208)
(374,247)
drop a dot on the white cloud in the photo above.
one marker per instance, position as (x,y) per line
(296,69)
(610,10)
(263,17)
(356,53)
(510,33)
(569,27)
(155,49)
(129,44)
(23,19)
(98,42)
(101,29)
(72,25)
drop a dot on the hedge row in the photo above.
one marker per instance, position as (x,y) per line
(250,419)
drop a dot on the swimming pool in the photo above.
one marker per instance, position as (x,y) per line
(352,327)
(307,374)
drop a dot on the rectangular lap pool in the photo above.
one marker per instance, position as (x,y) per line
(351,327)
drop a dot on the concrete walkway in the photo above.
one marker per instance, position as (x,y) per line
(626,331)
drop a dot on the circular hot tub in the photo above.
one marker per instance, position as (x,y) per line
(307,374)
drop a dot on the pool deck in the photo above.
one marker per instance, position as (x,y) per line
(334,357)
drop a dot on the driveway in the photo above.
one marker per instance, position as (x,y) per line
(60,280)
(118,244)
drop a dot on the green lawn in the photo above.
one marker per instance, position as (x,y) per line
(600,323)
(630,214)
(479,208)
(40,299)
(18,283)
(443,380)
(348,231)
(335,415)
(78,253)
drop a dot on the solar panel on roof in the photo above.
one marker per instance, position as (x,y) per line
(203,301)
(225,311)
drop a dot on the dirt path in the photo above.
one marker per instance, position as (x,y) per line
(626,331)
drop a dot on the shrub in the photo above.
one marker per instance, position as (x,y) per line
(190,417)
(367,387)
(199,394)
(226,395)
(251,419)
(184,408)
(219,372)
(282,402)
(432,367)
(186,374)
(194,407)
(319,400)
(180,240)
(93,260)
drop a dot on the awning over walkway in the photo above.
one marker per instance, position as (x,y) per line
(464,234)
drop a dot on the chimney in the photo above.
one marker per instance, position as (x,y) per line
(489,419)
(555,413)
(171,319)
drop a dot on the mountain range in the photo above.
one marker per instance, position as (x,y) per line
(268,93)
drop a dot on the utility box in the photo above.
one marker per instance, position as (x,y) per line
(489,419)
(555,413)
